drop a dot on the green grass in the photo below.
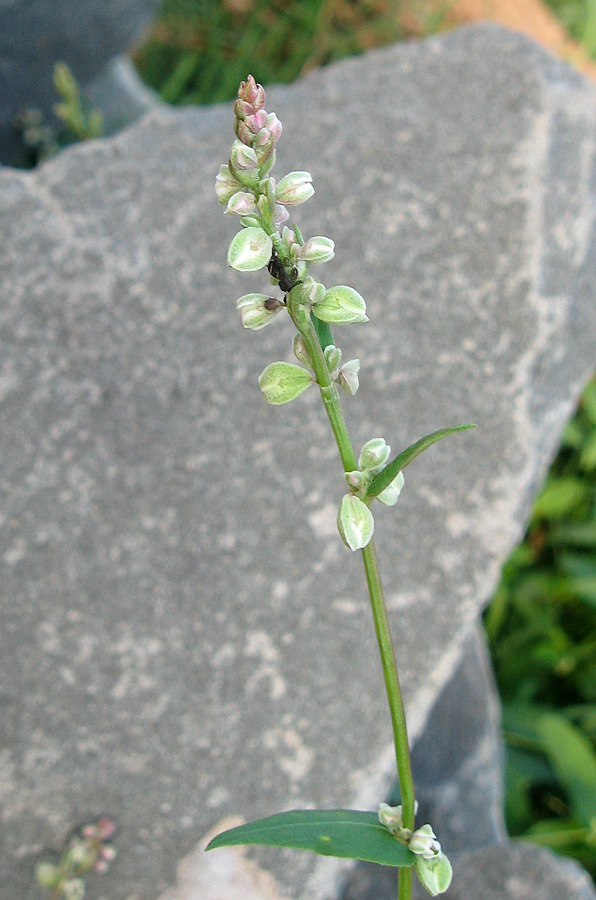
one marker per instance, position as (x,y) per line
(541,623)
(200,50)
(579,17)
(542,633)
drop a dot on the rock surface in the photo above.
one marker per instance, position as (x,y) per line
(35,34)
(183,636)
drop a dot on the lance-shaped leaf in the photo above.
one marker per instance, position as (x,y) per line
(573,758)
(346,833)
(384,478)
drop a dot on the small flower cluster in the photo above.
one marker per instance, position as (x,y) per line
(246,188)
(355,521)
(89,851)
(244,185)
(431,865)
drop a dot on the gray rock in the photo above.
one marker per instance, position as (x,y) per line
(120,95)
(35,34)
(518,872)
(182,634)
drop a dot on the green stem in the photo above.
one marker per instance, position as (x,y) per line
(394,695)
(330,397)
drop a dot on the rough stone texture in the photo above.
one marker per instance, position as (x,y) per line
(505,872)
(517,872)
(182,634)
(34,34)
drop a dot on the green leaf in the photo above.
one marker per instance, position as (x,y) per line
(323,332)
(386,475)
(581,535)
(574,761)
(559,497)
(346,833)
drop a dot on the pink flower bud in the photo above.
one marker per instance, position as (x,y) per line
(241,204)
(257,121)
(280,215)
(105,828)
(242,109)
(274,126)
(262,138)
(252,92)
(243,157)
(243,132)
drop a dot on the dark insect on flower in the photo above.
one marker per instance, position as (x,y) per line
(287,280)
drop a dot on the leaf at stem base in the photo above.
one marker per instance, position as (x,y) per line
(345,833)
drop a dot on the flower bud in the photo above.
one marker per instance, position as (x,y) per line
(347,377)
(280,215)
(242,203)
(250,250)
(266,211)
(252,93)
(226,185)
(355,522)
(356,479)
(434,874)
(317,249)
(243,157)
(332,356)
(291,247)
(295,188)
(390,495)
(242,109)
(282,382)
(74,889)
(105,829)
(255,310)
(311,292)
(391,817)
(274,127)
(341,305)
(47,875)
(257,121)
(424,842)
(79,853)
(374,454)
(300,351)
(243,132)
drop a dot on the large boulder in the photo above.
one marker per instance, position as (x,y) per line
(183,636)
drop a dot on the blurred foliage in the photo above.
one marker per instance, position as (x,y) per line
(542,633)
(199,50)
(579,18)
(41,139)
